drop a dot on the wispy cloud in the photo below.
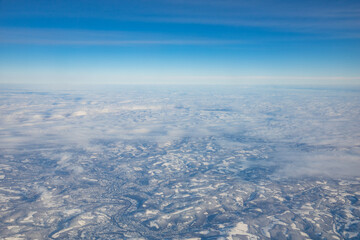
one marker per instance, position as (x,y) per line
(319,26)
(92,76)
(103,38)
(299,16)
(119,42)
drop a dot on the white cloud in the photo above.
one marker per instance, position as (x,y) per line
(79,114)
(310,131)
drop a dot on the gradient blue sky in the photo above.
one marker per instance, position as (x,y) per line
(177,41)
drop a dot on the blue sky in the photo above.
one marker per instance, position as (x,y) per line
(175,41)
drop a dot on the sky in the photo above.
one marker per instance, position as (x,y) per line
(180,42)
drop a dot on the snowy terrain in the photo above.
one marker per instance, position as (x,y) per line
(172,162)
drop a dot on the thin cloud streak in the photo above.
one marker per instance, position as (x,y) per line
(29,36)
(298,25)
(304,16)
(113,77)
(119,42)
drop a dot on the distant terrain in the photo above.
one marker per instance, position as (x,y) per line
(180,162)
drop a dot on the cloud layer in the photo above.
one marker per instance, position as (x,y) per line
(310,131)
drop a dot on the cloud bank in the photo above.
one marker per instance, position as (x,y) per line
(303,131)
